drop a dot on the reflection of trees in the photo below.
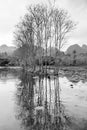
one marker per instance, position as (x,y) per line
(5,73)
(40,107)
(76,76)
(25,96)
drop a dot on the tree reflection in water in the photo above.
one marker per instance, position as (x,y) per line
(39,104)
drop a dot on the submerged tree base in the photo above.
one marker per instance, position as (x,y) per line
(42,71)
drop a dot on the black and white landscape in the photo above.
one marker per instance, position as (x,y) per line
(43,65)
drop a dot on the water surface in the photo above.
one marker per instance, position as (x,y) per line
(30,102)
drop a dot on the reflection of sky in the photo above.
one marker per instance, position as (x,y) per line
(7,115)
(73,98)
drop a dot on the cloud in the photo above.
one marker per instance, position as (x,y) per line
(12,10)
(10,13)
(77,3)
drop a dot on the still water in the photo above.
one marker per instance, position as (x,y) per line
(41,102)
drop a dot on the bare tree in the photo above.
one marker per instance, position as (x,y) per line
(41,27)
(62,26)
(37,13)
(24,38)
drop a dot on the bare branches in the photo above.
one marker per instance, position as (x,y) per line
(42,26)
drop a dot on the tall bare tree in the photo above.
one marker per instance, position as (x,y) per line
(41,27)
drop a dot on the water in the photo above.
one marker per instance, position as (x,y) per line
(42,103)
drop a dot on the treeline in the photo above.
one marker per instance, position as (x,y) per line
(9,60)
(64,60)
(40,28)
(61,59)
(75,59)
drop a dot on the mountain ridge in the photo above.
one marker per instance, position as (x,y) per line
(79,49)
(7,49)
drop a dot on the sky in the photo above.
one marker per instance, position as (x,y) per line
(11,12)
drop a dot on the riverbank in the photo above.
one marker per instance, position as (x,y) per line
(73,73)
(51,69)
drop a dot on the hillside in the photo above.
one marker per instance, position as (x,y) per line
(77,48)
(8,49)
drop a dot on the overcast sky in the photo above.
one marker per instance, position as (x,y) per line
(12,10)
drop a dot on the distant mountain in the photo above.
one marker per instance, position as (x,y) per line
(84,47)
(77,48)
(8,49)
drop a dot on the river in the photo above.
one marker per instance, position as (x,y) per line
(30,102)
